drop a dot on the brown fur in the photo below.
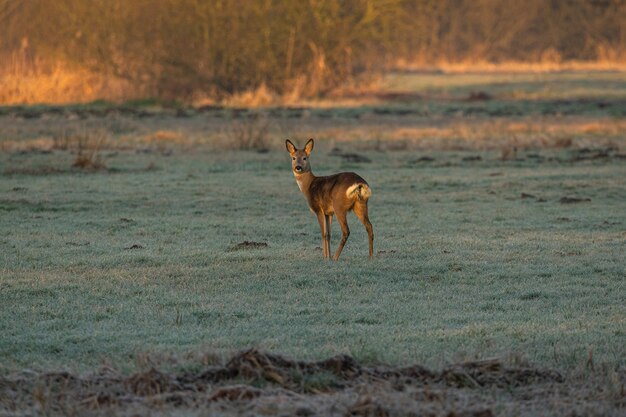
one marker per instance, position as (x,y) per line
(336,195)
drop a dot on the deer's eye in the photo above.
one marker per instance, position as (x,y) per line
(293,158)
(304,159)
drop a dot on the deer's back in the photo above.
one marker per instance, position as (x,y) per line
(325,192)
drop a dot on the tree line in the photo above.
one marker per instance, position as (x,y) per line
(176,47)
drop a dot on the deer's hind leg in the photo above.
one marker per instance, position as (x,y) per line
(345,231)
(360,209)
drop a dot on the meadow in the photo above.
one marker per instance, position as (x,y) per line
(500,233)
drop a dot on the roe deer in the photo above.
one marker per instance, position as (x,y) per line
(335,194)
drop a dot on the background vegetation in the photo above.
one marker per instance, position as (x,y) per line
(198,48)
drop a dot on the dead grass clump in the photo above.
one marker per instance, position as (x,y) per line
(253,379)
(259,97)
(562,142)
(366,406)
(251,132)
(479,96)
(164,141)
(293,375)
(152,382)
(61,140)
(248,245)
(235,393)
(491,372)
(88,163)
(87,147)
(165,136)
(368,89)
(508,153)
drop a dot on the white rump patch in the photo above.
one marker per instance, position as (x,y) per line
(351,189)
(362,189)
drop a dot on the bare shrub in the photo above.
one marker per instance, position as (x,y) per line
(249,133)
(87,146)
(164,141)
(562,142)
(508,153)
(61,140)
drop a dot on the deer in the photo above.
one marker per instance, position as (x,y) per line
(336,195)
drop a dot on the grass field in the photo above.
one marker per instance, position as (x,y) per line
(479,254)
(535,86)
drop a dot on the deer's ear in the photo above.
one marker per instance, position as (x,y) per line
(308,147)
(290,147)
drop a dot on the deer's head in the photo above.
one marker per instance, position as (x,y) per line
(300,158)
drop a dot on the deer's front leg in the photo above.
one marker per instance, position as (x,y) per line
(322,221)
(329,222)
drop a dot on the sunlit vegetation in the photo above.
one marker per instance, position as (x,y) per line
(72,50)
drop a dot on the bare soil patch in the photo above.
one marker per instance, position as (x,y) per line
(573,200)
(248,245)
(422,159)
(134,246)
(350,157)
(33,171)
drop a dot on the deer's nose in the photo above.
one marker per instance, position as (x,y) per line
(298,168)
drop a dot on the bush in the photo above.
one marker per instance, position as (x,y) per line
(249,133)
(87,146)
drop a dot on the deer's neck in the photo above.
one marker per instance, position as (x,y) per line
(304,181)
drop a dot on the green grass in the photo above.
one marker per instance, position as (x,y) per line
(464,267)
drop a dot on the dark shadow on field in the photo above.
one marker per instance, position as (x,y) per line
(42,171)
(475,100)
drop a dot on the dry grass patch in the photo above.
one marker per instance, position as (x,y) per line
(87,147)
(35,81)
(250,132)
(261,96)
(498,134)
(43,144)
(549,63)
(165,140)
(265,382)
